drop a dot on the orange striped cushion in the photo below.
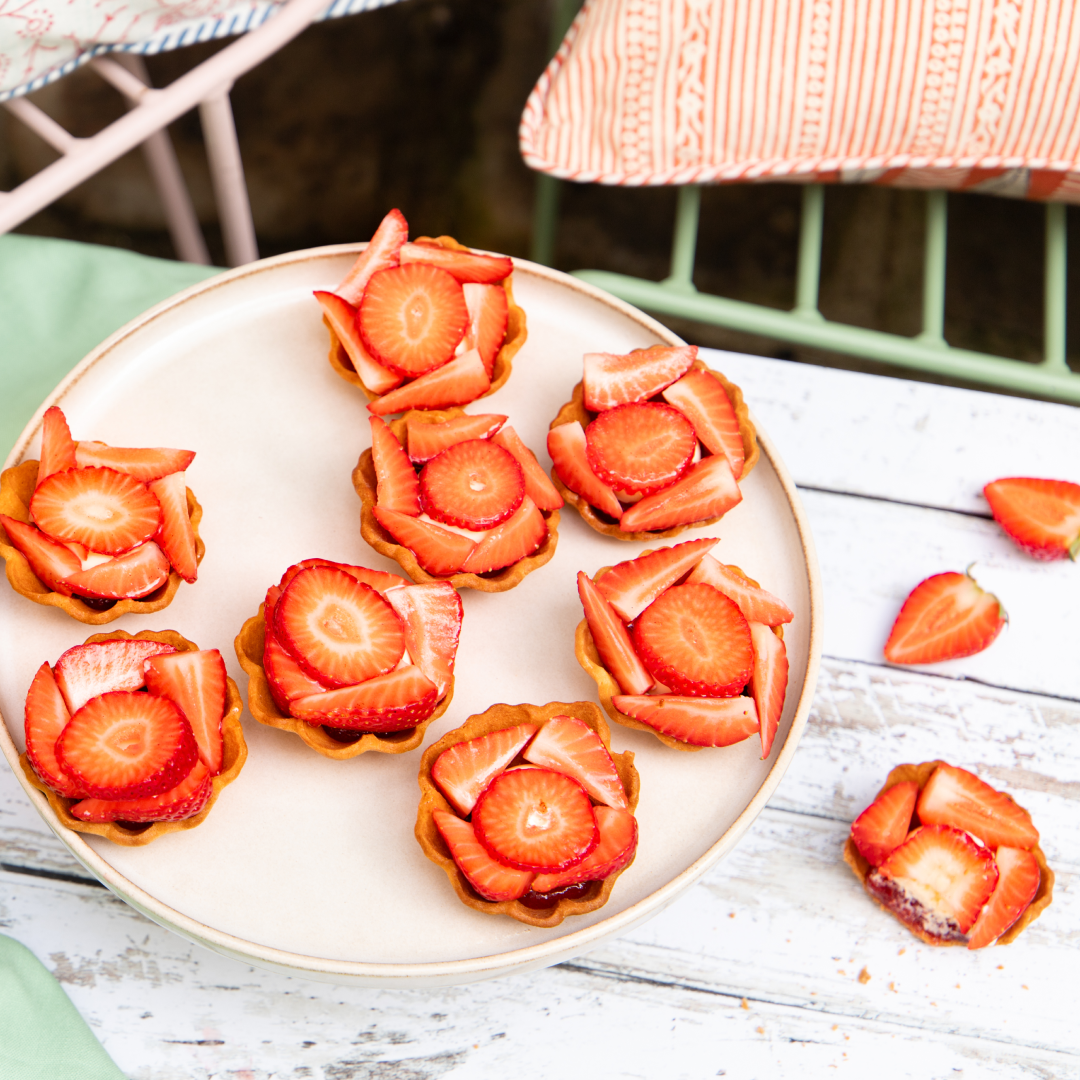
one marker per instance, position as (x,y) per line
(976,94)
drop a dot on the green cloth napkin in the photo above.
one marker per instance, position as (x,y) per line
(42,1036)
(58,299)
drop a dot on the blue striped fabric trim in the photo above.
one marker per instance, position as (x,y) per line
(207,30)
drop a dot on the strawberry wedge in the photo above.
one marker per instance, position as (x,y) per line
(85,671)
(431,616)
(382,252)
(46,716)
(756,604)
(396,485)
(517,537)
(393,702)
(768,682)
(957,797)
(52,563)
(538,486)
(612,639)
(567,449)
(611,380)
(1018,882)
(439,551)
(196,683)
(697,721)
(489,877)
(57,445)
(465,266)
(707,490)
(341,316)
(143,464)
(570,746)
(179,803)
(176,534)
(702,400)
(458,382)
(631,586)
(489,312)
(133,574)
(883,826)
(463,770)
(424,441)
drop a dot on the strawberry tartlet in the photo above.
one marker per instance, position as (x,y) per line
(954,860)
(685,647)
(651,443)
(99,531)
(422,325)
(351,659)
(456,497)
(131,737)
(528,812)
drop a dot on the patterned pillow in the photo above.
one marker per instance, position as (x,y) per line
(973,94)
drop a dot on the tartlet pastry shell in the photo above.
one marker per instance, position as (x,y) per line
(516,333)
(431,799)
(235,754)
(249,645)
(861,867)
(16,488)
(365,483)
(575,409)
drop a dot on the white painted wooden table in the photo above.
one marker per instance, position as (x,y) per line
(775,964)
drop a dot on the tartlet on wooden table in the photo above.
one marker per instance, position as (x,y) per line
(233,758)
(497,718)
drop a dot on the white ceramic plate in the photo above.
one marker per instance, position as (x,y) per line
(308,865)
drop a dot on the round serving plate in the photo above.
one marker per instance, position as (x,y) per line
(308,865)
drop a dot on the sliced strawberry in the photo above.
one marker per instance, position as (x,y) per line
(381,252)
(341,316)
(462,380)
(106,510)
(570,746)
(707,490)
(338,629)
(640,448)
(125,745)
(535,819)
(1042,516)
(427,440)
(379,580)
(945,617)
(195,683)
(631,586)
(538,486)
(883,826)
(181,802)
(412,317)
(693,720)
(46,716)
(615,851)
(696,641)
(755,603)
(567,449)
(438,551)
(431,616)
(463,770)
(1018,882)
(131,575)
(57,445)
(611,380)
(489,313)
(474,485)
(768,682)
(397,486)
(85,671)
(392,702)
(956,797)
(516,538)
(51,562)
(287,679)
(140,463)
(176,536)
(490,878)
(463,265)
(612,639)
(936,881)
(702,400)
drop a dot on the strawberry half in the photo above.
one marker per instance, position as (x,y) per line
(1018,882)
(341,316)
(706,490)
(474,485)
(631,586)
(702,400)
(195,682)
(463,770)
(382,252)
(52,563)
(1041,516)
(537,485)
(567,449)
(462,380)
(883,826)
(131,575)
(396,485)
(85,671)
(614,852)
(431,616)
(768,681)
(140,463)
(517,537)
(640,448)
(426,440)
(57,445)
(181,802)
(945,617)
(757,604)
(693,720)
(491,879)
(46,716)
(489,314)
(611,380)
(392,702)
(465,266)
(957,797)
(567,745)
(176,536)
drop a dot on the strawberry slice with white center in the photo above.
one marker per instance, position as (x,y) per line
(489,313)
(538,486)
(338,629)
(1041,516)
(474,485)
(517,537)
(936,881)
(46,716)
(196,683)
(431,616)
(535,819)
(85,671)
(412,317)
(612,639)
(706,490)
(393,702)
(883,826)
(611,380)
(631,586)
(757,604)
(693,720)
(397,487)
(382,252)
(426,440)
(615,851)
(179,803)
(567,449)
(491,879)
(768,681)
(1018,882)
(288,680)
(128,576)
(695,640)
(640,448)
(57,445)
(702,400)
(105,510)
(341,316)
(51,562)
(463,770)
(438,551)
(567,745)
(140,463)
(176,537)
(462,380)
(465,266)
(957,797)
(125,745)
